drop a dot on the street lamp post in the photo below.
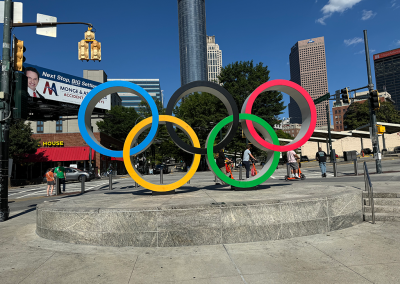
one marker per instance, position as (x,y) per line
(5,111)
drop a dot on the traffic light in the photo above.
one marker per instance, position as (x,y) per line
(20,96)
(374,99)
(95,50)
(345,95)
(83,49)
(18,52)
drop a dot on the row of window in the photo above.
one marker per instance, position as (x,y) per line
(40,126)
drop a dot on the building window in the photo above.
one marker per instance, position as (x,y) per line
(59,125)
(39,127)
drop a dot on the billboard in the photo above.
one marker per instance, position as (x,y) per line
(387,54)
(56,86)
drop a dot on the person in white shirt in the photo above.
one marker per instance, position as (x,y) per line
(246,160)
(292,157)
(33,81)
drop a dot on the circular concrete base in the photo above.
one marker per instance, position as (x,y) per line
(194,216)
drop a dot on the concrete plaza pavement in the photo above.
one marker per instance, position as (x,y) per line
(366,253)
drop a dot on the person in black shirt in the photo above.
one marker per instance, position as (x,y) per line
(221,159)
(321,158)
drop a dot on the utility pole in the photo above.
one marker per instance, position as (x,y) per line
(328,118)
(374,131)
(5,111)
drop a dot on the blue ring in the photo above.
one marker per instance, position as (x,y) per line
(99,92)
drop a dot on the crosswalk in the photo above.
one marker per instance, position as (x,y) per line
(41,190)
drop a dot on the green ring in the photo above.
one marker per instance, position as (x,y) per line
(213,164)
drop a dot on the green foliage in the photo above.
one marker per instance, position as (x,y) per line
(282,134)
(21,141)
(118,122)
(358,114)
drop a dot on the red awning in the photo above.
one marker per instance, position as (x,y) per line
(60,154)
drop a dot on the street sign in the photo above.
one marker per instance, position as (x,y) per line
(322,98)
(17,15)
(46,31)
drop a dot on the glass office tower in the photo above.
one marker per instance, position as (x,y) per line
(192,40)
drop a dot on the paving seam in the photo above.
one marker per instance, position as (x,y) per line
(340,263)
(238,270)
(133,268)
(37,268)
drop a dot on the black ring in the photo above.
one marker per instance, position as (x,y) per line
(219,92)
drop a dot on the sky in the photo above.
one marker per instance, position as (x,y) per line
(140,40)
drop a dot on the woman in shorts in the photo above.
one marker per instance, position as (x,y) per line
(50,180)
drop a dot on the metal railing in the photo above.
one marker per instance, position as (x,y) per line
(370,193)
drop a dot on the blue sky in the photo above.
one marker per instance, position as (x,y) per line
(140,38)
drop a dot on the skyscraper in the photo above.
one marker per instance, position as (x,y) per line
(308,69)
(387,74)
(214,59)
(192,40)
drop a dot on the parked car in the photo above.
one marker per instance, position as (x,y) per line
(367,151)
(157,169)
(304,159)
(73,174)
(396,149)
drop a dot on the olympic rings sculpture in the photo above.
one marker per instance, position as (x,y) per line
(250,125)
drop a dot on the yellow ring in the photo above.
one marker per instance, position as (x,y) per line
(155,187)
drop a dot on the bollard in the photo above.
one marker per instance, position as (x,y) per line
(57,185)
(188,182)
(82,185)
(334,169)
(215,178)
(355,167)
(136,184)
(288,169)
(161,175)
(110,182)
(240,172)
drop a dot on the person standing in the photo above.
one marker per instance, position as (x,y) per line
(321,158)
(246,160)
(60,173)
(50,181)
(221,162)
(292,157)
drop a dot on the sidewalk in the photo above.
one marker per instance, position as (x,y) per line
(365,253)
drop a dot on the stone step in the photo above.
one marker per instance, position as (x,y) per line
(382,195)
(383,209)
(383,217)
(387,201)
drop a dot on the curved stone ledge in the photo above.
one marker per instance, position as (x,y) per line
(198,223)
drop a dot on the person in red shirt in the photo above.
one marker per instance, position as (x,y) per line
(50,180)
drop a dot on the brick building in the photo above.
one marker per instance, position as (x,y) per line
(292,129)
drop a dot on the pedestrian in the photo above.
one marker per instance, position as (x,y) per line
(246,160)
(321,158)
(292,157)
(60,173)
(221,159)
(50,180)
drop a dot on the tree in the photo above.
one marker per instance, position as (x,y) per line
(283,135)
(21,141)
(240,79)
(358,114)
(122,116)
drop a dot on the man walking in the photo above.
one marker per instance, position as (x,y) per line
(292,157)
(60,173)
(246,160)
(321,158)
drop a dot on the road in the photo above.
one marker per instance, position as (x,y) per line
(26,198)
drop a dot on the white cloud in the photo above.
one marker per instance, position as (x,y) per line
(352,41)
(367,15)
(398,42)
(334,6)
(363,51)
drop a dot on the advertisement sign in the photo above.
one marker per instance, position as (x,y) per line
(387,54)
(56,86)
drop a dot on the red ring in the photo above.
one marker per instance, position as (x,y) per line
(304,93)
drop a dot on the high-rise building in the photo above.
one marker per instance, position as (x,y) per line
(214,59)
(192,40)
(308,69)
(152,86)
(387,74)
